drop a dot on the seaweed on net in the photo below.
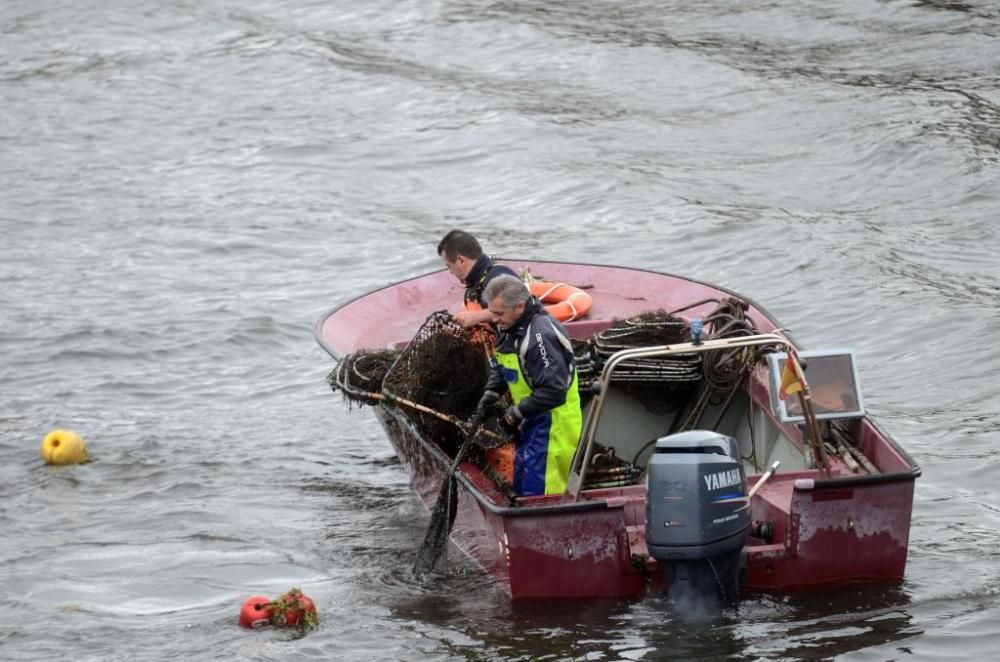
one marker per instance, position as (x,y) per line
(444,367)
(436,381)
(359,376)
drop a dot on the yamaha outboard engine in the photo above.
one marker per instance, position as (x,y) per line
(698,517)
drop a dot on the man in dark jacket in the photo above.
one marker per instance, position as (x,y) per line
(464,258)
(534,361)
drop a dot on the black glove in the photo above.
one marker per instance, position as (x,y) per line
(489,399)
(512,418)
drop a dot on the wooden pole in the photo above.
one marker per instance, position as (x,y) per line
(848,459)
(805,401)
(854,451)
(462,425)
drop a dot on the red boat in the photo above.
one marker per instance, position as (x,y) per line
(834,512)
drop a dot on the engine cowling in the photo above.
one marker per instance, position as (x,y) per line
(698,514)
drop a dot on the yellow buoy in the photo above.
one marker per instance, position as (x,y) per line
(63,447)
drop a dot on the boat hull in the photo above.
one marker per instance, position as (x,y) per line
(577,550)
(826,535)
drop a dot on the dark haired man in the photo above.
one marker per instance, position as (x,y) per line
(465,259)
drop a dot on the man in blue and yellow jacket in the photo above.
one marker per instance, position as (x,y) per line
(534,361)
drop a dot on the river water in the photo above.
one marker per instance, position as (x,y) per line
(187,186)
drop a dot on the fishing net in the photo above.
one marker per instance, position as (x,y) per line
(648,330)
(444,367)
(359,376)
(437,379)
(609,470)
(661,383)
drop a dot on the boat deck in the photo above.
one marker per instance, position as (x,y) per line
(391,315)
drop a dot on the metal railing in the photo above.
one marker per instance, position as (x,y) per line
(588,433)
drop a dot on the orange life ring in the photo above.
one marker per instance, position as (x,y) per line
(564,302)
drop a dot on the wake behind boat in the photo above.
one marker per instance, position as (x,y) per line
(688,455)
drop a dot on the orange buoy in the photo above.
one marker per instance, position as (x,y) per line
(564,302)
(255,612)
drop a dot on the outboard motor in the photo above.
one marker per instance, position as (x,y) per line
(698,517)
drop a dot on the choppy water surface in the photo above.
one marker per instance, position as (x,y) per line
(186,186)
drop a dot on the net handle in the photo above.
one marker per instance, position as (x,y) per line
(383,397)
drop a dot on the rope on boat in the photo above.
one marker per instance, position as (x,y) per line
(724,370)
